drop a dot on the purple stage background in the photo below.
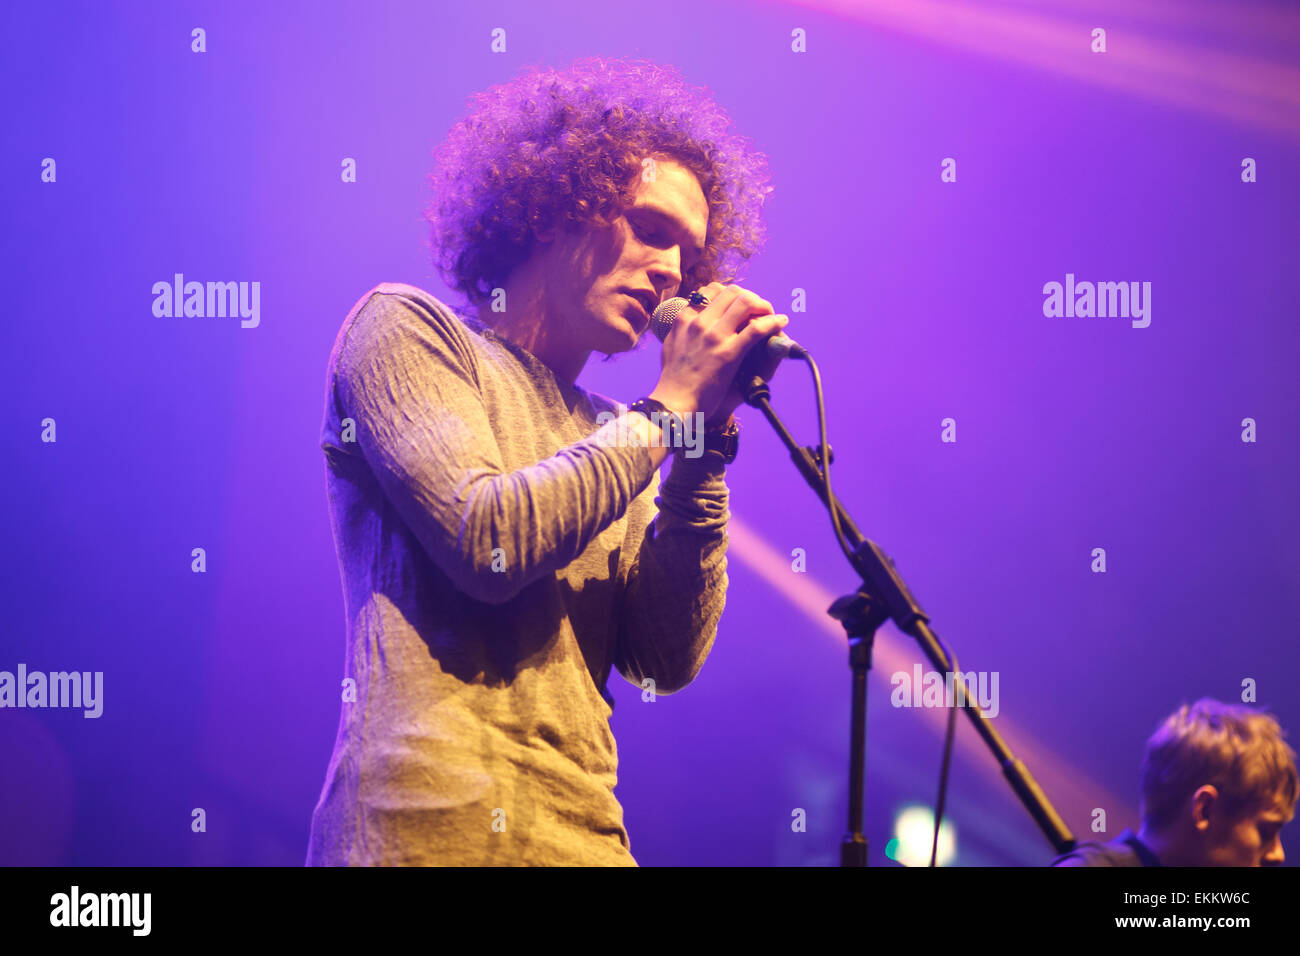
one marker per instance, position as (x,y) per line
(924,302)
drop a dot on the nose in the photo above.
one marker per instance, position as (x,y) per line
(666,273)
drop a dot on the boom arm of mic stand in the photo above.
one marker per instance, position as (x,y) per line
(881,580)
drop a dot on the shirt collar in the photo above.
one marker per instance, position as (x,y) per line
(1143,851)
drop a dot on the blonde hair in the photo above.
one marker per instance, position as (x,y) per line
(1238,750)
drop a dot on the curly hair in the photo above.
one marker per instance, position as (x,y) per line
(1239,750)
(556,148)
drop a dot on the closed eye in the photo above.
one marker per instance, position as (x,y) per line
(650,227)
(649,233)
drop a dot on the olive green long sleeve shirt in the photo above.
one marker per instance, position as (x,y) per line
(500,551)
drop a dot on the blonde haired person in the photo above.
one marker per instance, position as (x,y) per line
(1218,784)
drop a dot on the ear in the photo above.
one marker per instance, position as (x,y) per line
(1204,803)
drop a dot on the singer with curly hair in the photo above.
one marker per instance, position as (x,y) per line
(504,539)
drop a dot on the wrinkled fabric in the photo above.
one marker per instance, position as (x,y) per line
(1125,850)
(500,551)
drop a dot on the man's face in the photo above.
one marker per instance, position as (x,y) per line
(1251,839)
(597,273)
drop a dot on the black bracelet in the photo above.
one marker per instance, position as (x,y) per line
(659,414)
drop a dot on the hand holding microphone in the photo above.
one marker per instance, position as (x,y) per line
(708,347)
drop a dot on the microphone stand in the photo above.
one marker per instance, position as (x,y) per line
(884,595)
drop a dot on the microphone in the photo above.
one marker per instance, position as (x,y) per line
(779,346)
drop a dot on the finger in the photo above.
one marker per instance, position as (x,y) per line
(757,359)
(719,294)
(711,291)
(742,307)
(761,327)
(748,339)
(720,299)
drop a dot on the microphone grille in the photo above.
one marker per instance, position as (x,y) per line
(665,314)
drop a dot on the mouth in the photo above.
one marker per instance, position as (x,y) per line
(642,305)
(646,299)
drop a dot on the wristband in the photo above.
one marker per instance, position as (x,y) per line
(723,442)
(659,414)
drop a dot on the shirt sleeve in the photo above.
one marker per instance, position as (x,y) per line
(407,377)
(677,585)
